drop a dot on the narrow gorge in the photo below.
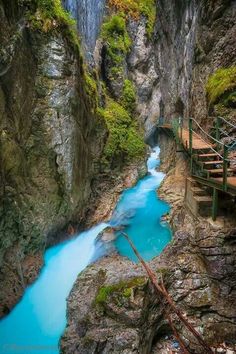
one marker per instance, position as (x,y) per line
(117,116)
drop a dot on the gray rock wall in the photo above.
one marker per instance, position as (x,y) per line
(88,15)
(193,39)
(51,141)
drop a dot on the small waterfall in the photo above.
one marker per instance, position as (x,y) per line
(88,15)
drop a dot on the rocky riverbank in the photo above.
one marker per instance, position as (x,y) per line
(112,307)
(107,191)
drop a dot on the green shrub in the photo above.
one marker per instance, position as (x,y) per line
(124,141)
(91,85)
(129,96)
(115,34)
(220,84)
(136,8)
(49,15)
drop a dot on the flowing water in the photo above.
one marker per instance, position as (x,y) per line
(38,320)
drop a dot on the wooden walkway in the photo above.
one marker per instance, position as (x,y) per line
(231,181)
(208,167)
(197,142)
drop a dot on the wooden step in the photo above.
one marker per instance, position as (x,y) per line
(192,181)
(231,181)
(219,170)
(203,199)
(212,162)
(208,155)
(198,191)
(217,162)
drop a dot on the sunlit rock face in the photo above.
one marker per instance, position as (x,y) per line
(143,71)
(88,15)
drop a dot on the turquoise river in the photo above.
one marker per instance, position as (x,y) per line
(36,323)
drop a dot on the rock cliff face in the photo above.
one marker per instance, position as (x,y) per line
(51,140)
(88,15)
(192,39)
(143,71)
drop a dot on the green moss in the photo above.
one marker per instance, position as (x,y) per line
(129,96)
(122,289)
(163,271)
(12,160)
(49,15)
(221,84)
(124,141)
(136,8)
(91,87)
(127,292)
(115,34)
(229,100)
(103,294)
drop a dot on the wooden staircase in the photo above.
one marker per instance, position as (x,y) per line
(209,164)
(197,198)
(212,165)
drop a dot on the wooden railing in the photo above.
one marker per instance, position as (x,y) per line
(215,145)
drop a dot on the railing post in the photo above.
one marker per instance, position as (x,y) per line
(214,204)
(181,128)
(218,131)
(225,167)
(191,143)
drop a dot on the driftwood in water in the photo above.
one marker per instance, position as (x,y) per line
(161,289)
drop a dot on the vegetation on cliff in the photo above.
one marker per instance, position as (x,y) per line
(124,142)
(221,86)
(115,36)
(49,15)
(137,8)
(129,96)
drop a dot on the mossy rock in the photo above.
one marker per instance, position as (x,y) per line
(117,44)
(221,85)
(124,141)
(137,8)
(119,290)
(128,100)
(48,16)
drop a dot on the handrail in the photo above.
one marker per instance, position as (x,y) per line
(229,123)
(209,144)
(211,137)
(224,132)
(224,145)
(179,125)
(217,141)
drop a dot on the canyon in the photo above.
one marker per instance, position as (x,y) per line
(74,116)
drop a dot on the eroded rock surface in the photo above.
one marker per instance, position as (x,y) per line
(105,308)
(51,142)
(112,307)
